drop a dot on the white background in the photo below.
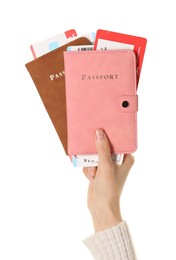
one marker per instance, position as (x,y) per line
(43,211)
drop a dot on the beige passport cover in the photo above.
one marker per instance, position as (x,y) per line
(48,75)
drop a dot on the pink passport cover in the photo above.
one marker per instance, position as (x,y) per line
(101,93)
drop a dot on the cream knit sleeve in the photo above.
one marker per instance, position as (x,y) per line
(112,244)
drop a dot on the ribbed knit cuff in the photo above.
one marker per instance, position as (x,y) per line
(112,244)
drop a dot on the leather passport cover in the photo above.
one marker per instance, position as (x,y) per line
(47,73)
(101,93)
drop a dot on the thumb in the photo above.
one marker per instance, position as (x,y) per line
(102,147)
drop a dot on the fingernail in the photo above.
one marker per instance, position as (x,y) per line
(99,134)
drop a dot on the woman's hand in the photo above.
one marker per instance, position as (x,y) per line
(106,185)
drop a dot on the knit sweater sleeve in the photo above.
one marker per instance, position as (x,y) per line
(112,244)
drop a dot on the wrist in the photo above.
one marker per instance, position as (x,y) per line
(106,220)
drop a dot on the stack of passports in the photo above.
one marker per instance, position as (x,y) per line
(86,90)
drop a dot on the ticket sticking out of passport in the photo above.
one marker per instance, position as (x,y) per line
(92,160)
(107,40)
(40,48)
(81,48)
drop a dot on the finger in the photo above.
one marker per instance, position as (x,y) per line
(128,160)
(90,172)
(85,171)
(125,168)
(102,147)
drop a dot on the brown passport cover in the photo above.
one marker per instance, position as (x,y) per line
(47,73)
